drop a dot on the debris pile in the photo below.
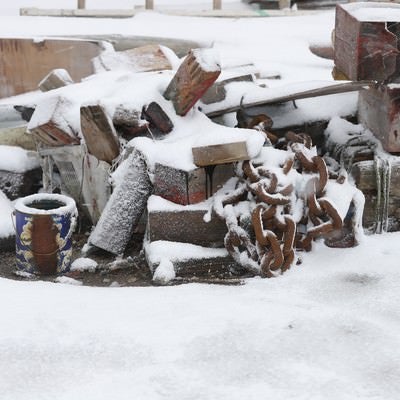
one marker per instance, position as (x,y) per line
(135,146)
(129,147)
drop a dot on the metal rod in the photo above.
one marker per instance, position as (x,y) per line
(324,91)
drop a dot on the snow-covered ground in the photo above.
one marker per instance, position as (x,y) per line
(327,329)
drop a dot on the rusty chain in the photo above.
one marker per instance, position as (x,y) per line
(269,247)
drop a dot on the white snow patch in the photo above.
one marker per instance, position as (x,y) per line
(174,251)
(68,281)
(165,272)
(84,264)
(208,59)
(374,11)
(16,159)
(26,204)
(158,203)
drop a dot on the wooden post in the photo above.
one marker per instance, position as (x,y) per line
(149,4)
(217,4)
(81,4)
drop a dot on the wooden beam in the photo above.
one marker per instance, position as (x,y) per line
(192,80)
(81,4)
(98,131)
(149,5)
(217,4)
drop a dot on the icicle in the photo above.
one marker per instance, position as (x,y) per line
(387,178)
(378,224)
(383,195)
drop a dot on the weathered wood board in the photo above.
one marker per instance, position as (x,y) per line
(220,154)
(55,79)
(141,59)
(99,133)
(379,111)
(25,62)
(191,81)
(365,178)
(49,126)
(366,49)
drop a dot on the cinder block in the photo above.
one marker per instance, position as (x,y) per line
(190,187)
(186,225)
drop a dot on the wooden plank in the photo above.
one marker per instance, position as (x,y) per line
(220,154)
(217,4)
(379,111)
(141,59)
(24,62)
(192,79)
(55,79)
(149,4)
(48,124)
(366,49)
(364,175)
(99,133)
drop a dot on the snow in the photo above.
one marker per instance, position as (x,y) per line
(208,59)
(26,204)
(326,329)
(67,281)
(165,272)
(84,264)
(16,159)
(173,251)
(176,149)
(157,203)
(374,11)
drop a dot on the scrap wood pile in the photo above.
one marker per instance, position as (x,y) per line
(131,149)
